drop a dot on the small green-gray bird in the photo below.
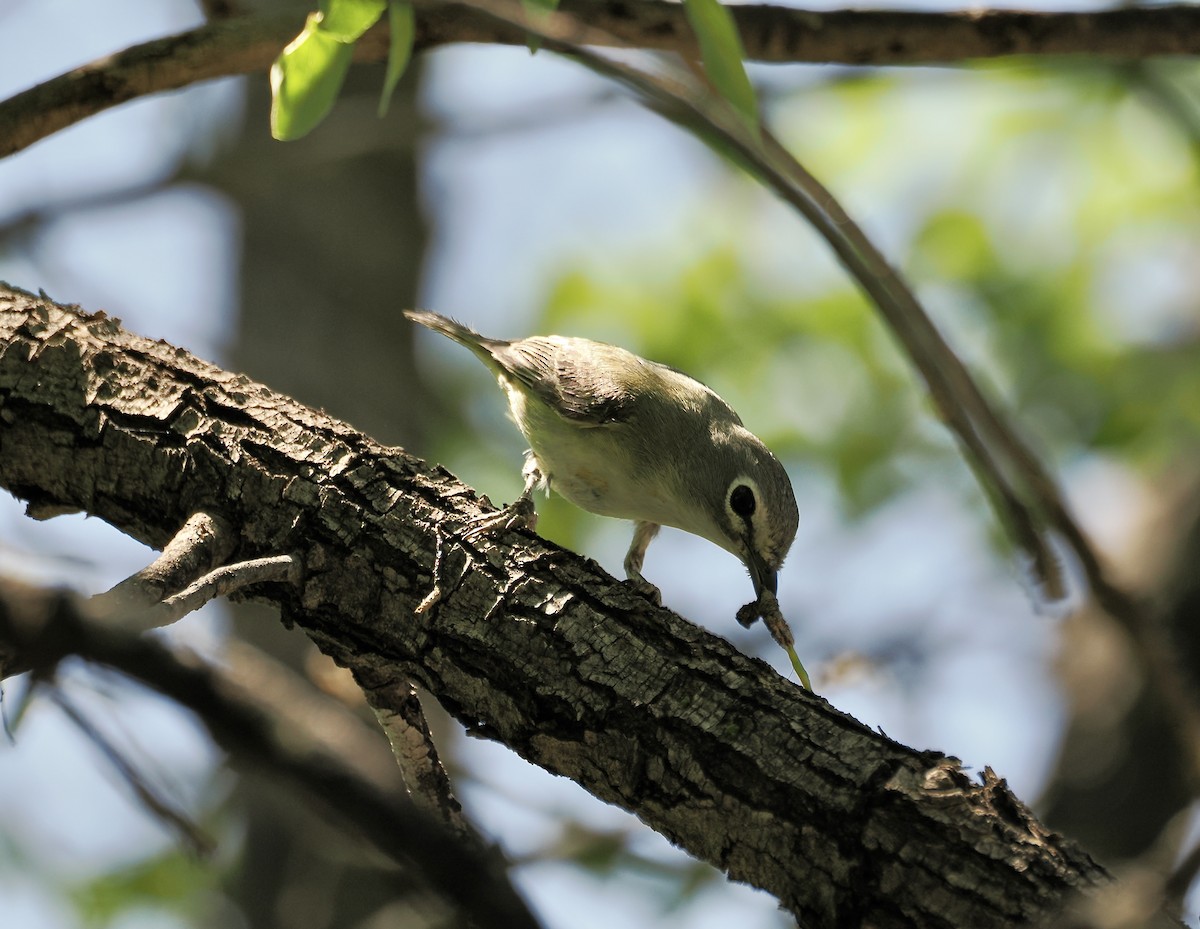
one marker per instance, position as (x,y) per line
(622,436)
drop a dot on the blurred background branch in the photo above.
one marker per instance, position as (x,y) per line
(460,874)
(229,45)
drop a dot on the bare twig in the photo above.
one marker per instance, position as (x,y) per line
(398,710)
(219,582)
(248,44)
(139,603)
(203,542)
(224,581)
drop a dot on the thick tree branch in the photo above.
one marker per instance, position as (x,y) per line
(774,34)
(570,669)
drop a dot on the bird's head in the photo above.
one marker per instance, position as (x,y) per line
(751,506)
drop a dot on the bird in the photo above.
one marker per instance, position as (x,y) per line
(621,436)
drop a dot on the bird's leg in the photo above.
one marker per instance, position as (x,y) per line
(643,534)
(520,514)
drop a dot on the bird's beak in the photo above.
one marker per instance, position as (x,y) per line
(763,576)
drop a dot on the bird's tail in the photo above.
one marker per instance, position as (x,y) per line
(448,327)
(463,335)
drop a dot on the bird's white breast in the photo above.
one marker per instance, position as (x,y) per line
(593,466)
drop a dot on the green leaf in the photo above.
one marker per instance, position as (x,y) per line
(306,77)
(400,20)
(722,53)
(305,80)
(535,9)
(347,20)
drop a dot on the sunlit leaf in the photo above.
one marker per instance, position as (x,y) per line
(305,80)
(722,53)
(306,77)
(401,23)
(347,20)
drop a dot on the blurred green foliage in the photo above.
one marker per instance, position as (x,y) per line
(168,887)
(170,883)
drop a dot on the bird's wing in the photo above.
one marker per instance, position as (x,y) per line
(573,377)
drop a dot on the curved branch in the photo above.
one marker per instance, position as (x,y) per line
(771,34)
(532,646)
(221,48)
(1023,492)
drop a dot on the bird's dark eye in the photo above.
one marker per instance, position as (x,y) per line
(742,501)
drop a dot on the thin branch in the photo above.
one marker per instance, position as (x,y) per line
(224,581)
(219,582)
(140,603)
(137,603)
(220,48)
(202,543)
(17,229)
(248,44)
(412,764)
(50,627)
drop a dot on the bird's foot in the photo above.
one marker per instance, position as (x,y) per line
(646,589)
(520,514)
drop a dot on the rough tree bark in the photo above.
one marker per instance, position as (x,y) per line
(523,642)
